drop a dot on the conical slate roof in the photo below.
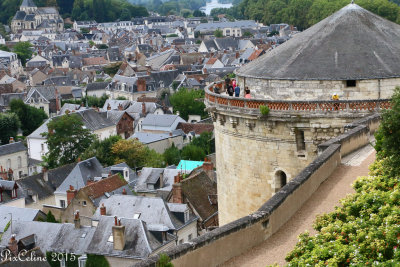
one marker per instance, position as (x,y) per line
(351,44)
(28,3)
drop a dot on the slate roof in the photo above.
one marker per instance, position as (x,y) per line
(36,185)
(18,214)
(343,46)
(147,138)
(153,211)
(96,86)
(139,242)
(12,148)
(198,128)
(164,120)
(150,176)
(197,190)
(19,15)
(228,24)
(28,3)
(94,120)
(52,236)
(82,172)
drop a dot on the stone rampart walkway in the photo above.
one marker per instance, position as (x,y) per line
(336,187)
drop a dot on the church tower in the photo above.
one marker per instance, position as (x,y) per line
(28,6)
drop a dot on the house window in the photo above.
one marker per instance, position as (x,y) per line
(19,162)
(8,164)
(186,215)
(62,203)
(42,108)
(351,83)
(20,174)
(190,237)
(300,142)
(84,203)
(42,146)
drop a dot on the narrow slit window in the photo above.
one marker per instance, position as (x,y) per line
(301,145)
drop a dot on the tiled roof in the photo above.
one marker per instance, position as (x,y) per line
(108,184)
(198,128)
(95,61)
(255,54)
(212,61)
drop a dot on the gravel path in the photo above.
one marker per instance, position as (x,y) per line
(336,187)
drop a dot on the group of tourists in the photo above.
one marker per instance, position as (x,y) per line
(232,88)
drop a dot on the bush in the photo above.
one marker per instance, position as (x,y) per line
(264,110)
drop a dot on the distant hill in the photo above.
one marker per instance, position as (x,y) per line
(99,10)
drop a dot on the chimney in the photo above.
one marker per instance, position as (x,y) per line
(13,245)
(208,165)
(177,196)
(141,85)
(143,108)
(45,174)
(10,174)
(77,220)
(3,173)
(237,54)
(58,107)
(124,191)
(118,232)
(161,180)
(71,193)
(11,140)
(120,107)
(108,106)
(102,209)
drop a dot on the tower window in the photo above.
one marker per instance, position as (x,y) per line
(351,83)
(300,142)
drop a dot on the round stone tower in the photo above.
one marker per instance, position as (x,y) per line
(353,53)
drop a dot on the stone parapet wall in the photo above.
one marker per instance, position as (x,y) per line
(237,237)
(319,89)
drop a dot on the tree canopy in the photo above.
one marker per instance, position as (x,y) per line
(188,102)
(303,13)
(30,117)
(9,125)
(101,149)
(67,139)
(24,51)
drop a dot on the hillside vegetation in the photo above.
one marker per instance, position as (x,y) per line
(303,13)
(99,10)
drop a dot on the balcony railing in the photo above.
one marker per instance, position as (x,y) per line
(368,105)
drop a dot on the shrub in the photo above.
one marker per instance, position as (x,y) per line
(264,110)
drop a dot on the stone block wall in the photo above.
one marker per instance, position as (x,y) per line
(319,90)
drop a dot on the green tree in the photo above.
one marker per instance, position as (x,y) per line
(164,261)
(218,33)
(30,117)
(133,153)
(112,69)
(101,149)
(102,46)
(172,155)
(9,125)
(154,159)
(388,134)
(4,48)
(198,13)
(188,102)
(50,218)
(24,51)
(192,152)
(96,261)
(67,139)
(247,34)
(205,141)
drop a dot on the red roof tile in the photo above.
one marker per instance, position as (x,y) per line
(108,184)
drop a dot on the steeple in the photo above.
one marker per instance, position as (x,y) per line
(28,6)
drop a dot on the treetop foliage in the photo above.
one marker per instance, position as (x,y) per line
(30,117)
(303,13)
(188,102)
(9,125)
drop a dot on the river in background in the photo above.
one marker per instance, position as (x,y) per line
(213,4)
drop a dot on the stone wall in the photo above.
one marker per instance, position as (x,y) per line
(321,90)
(237,237)
(253,153)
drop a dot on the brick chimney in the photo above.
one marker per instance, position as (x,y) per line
(177,196)
(143,108)
(71,193)
(108,106)
(118,231)
(58,106)
(124,191)
(13,245)
(103,209)
(237,54)
(3,173)
(141,85)
(45,174)
(11,140)
(120,107)
(208,165)
(77,220)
